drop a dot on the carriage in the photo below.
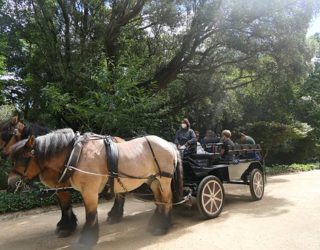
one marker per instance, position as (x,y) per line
(204,175)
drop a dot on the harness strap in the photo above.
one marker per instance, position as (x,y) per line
(73,159)
(161,173)
(112,158)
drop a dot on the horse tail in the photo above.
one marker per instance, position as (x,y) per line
(177,180)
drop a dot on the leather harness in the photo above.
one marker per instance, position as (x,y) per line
(112,161)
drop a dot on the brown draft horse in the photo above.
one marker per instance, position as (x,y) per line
(15,130)
(46,155)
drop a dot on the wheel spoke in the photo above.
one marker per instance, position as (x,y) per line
(213,188)
(211,206)
(209,191)
(209,200)
(215,204)
(218,199)
(217,192)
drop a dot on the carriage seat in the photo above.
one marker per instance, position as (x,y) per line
(205,156)
(246,151)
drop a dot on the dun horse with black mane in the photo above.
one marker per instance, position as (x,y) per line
(155,159)
(15,130)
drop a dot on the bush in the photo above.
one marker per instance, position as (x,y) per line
(285,143)
(10,202)
(4,170)
(284,169)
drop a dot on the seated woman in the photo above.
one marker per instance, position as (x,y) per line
(226,144)
(185,136)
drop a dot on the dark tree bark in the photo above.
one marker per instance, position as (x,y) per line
(121,15)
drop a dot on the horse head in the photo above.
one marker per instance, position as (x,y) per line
(7,131)
(25,166)
(19,130)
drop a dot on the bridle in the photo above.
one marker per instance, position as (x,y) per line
(23,161)
(7,135)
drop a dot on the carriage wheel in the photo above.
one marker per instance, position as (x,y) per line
(256,184)
(210,197)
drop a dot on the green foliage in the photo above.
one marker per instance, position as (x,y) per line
(272,134)
(4,170)
(87,54)
(10,202)
(284,143)
(6,112)
(285,169)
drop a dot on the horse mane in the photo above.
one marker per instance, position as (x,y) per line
(47,145)
(34,129)
(53,143)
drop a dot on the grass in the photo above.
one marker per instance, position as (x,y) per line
(293,168)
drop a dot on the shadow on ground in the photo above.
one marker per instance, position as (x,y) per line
(131,232)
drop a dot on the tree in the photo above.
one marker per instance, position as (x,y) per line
(120,58)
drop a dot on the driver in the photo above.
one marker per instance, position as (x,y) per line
(185,136)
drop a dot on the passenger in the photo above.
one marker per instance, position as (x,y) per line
(246,139)
(226,144)
(208,141)
(200,149)
(185,136)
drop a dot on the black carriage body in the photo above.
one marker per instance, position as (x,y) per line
(236,170)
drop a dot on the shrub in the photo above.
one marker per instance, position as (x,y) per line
(283,169)
(10,202)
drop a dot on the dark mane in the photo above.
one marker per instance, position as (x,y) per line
(34,129)
(47,145)
(53,143)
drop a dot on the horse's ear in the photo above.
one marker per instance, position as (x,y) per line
(14,120)
(30,142)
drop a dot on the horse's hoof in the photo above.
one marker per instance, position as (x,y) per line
(62,233)
(113,220)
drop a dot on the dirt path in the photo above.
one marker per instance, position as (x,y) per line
(288,217)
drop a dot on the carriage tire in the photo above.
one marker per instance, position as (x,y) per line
(210,197)
(256,184)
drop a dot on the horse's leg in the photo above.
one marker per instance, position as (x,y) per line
(90,232)
(68,221)
(160,221)
(116,213)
